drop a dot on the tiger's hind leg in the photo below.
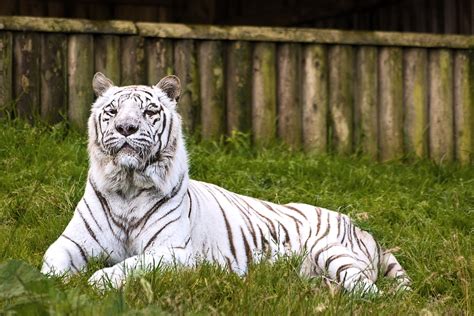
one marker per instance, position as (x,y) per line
(391,268)
(341,265)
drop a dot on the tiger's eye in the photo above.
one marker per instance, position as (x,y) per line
(113,111)
(150,112)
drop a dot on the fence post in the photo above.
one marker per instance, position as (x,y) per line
(441,105)
(238,86)
(186,69)
(53,77)
(264,94)
(463,106)
(80,72)
(211,71)
(341,97)
(107,56)
(390,103)
(26,66)
(288,94)
(415,99)
(6,76)
(133,60)
(159,59)
(366,102)
(314,98)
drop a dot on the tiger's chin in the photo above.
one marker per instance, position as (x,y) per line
(128,158)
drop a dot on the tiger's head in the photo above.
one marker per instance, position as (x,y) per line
(134,131)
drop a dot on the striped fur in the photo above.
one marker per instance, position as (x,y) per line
(141,210)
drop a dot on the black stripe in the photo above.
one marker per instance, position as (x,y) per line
(248,252)
(227,225)
(163,216)
(81,250)
(169,131)
(106,209)
(326,232)
(389,268)
(340,269)
(71,261)
(295,209)
(335,257)
(159,231)
(338,225)
(89,230)
(190,204)
(92,215)
(232,198)
(144,219)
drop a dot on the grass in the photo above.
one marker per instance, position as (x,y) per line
(422,209)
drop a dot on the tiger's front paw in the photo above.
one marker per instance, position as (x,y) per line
(107,278)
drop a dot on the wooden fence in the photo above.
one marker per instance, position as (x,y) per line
(383,94)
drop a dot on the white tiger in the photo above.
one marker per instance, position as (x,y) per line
(141,210)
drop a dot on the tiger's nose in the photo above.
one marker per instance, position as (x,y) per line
(126,129)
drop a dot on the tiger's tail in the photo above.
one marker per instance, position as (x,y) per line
(391,268)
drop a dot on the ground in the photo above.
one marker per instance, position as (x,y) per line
(425,212)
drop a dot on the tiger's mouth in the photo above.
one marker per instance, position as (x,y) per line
(127,149)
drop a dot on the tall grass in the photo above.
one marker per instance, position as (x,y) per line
(423,210)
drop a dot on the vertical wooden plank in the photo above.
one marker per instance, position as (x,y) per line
(314,98)
(264,94)
(107,56)
(415,100)
(390,103)
(133,60)
(159,59)
(288,97)
(211,74)
(441,105)
(238,86)
(26,66)
(186,69)
(6,70)
(80,72)
(53,77)
(341,77)
(463,106)
(365,102)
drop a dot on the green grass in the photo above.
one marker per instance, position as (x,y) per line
(423,209)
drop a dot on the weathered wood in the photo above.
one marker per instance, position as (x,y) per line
(390,103)
(365,102)
(133,60)
(288,94)
(341,92)
(303,35)
(60,25)
(464,106)
(186,69)
(6,69)
(26,66)
(238,86)
(264,94)
(107,56)
(159,59)
(314,98)
(80,73)
(441,144)
(53,77)
(415,99)
(211,74)
(244,33)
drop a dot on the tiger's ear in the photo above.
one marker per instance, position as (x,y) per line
(171,86)
(100,83)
